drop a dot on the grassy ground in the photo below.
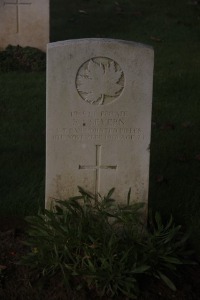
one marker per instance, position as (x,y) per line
(173,28)
(22,142)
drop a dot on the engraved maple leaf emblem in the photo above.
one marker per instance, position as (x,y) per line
(100,80)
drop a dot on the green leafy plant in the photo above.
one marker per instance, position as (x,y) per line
(103,246)
(16,58)
(166,249)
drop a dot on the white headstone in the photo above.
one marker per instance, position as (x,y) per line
(99,99)
(24,23)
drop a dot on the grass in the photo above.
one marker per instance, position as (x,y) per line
(22,142)
(173,28)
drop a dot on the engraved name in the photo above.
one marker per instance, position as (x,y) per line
(99,122)
(98,125)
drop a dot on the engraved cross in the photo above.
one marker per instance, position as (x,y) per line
(97,167)
(17,3)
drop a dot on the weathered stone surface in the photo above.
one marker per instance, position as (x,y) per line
(24,23)
(99,99)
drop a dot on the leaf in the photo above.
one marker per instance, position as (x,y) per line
(85,193)
(129,196)
(99,80)
(167,281)
(172,260)
(110,193)
(155,39)
(81,11)
(158,220)
(141,269)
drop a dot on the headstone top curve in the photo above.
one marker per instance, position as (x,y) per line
(98,40)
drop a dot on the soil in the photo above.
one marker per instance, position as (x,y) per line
(20,283)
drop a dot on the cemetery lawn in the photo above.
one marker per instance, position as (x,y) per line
(173,28)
